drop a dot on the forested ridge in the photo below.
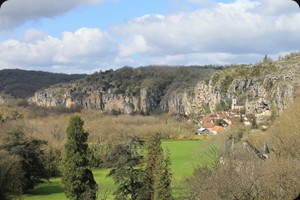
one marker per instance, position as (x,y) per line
(162,79)
(22,84)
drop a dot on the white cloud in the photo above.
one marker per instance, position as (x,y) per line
(239,32)
(239,28)
(84,48)
(16,12)
(86,43)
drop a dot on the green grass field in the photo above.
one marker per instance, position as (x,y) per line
(184,156)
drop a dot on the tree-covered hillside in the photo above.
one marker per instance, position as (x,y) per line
(161,79)
(126,90)
(22,84)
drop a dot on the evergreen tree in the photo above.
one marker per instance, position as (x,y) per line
(77,178)
(162,178)
(157,173)
(154,151)
(126,161)
(31,155)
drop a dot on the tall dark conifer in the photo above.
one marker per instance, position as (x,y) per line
(162,178)
(157,173)
(127,171)
(77,178)
(154,152)
(31,153)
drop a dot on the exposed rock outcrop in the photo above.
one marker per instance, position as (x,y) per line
(96,99)
(271,89)
(255,88)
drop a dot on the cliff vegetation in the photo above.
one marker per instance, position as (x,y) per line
(255,88)
(23,84)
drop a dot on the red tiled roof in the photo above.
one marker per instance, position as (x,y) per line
(218,128)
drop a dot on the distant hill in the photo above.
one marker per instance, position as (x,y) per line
(127,90)
(23,84)
(264,87)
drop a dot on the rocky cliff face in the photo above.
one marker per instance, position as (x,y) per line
(255,88)
(91,98)
(267,86)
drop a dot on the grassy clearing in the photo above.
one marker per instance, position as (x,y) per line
(53,189)
(184,156)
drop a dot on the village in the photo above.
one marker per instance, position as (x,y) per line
(217,122)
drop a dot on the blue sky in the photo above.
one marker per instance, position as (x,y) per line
(102,15)
(83,36)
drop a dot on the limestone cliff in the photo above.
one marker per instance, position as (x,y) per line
(96,99)
(265,86)
(255,88)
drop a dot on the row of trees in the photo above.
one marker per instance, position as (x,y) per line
(136,177)
(139,167)
(139,177)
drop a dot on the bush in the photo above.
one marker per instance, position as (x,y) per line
(31,154)
(11,174)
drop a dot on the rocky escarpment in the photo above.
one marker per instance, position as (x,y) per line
(127,90)
(90,98)
(254,88)
(266,86)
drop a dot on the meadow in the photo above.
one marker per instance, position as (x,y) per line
(185,156)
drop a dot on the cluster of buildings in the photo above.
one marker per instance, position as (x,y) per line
(215,123)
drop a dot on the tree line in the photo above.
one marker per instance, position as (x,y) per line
(138,166)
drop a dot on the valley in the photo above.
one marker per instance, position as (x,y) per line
(206,117)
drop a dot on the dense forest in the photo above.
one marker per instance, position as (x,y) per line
(23,84)
(161,79)
(157,78)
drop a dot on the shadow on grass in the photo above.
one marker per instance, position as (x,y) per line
(47,189)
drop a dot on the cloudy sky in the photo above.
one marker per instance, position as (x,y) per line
(83,36)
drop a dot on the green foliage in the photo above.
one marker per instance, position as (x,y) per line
(115,112)
(154,154)
(237,135)
(96,153)
(31,154)
(224,105)
(206,109)
(52,160)
(157,173)
(228,103)
(215,78)
(226,83)
(254,123)
(77,178)
(14,115)
(162,178)
(161,81)
(185,155)
(127,172)
(219,106)
(10,174)
(22,84)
